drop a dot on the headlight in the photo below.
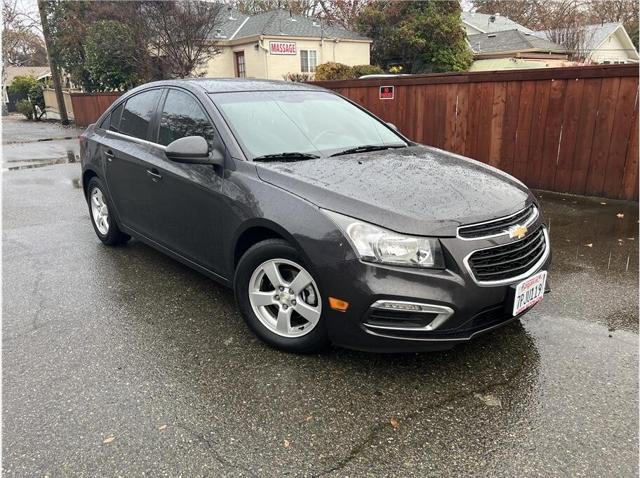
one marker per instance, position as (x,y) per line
(375,244)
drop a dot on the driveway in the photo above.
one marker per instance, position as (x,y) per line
(123,362)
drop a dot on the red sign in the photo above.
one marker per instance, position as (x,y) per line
(282,47)
(386,92)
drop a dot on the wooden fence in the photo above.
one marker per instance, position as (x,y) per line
(87,107)
(572,130)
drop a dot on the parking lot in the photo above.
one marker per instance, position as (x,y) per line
(123,362)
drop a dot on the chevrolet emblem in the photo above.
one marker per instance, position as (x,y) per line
(517,231)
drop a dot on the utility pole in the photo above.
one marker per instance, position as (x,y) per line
(55,73)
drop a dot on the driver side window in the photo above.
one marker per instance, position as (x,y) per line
(182,115)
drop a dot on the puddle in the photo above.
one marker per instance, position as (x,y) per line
(71,157)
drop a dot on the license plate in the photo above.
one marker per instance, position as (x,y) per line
(529,292)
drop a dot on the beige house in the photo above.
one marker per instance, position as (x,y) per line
(272,44)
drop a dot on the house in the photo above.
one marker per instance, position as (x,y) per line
(475,23)
(514,49)
(8,75)
(273,44)
(602,43)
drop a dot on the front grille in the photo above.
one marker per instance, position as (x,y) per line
(510,260)
(498,226)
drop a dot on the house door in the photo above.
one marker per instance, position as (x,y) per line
(240,66)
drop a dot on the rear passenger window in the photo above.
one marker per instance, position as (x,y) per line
(106,122)
(137,114)
(182,116)
(113,121)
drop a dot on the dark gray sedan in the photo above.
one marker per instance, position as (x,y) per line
(330,226)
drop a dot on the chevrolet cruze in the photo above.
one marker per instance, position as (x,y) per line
(329,225)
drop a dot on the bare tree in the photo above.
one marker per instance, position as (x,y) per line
(342,13)
(182,34)
(298,7)
(21,42)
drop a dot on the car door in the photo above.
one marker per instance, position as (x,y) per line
(128,160)
(188,199)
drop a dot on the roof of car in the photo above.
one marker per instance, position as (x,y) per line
(226,85)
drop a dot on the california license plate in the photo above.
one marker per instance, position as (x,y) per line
(529,292)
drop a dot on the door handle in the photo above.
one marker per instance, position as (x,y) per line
(109,155)
(155,175)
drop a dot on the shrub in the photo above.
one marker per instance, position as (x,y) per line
(297,77)
(22,85)
(36,96)
(361,70)
(25,107)
(334,71)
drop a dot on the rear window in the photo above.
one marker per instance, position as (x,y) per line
(112,122)
(137,114)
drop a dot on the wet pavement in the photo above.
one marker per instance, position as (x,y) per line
(123,362)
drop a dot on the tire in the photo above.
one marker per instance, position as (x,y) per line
(102,220)
(265,307)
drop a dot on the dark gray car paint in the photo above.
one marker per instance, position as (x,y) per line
(417,190)
(201,214)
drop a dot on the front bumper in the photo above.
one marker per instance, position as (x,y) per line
(458,306)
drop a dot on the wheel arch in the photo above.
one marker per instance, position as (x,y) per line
(87,174)
(256,231)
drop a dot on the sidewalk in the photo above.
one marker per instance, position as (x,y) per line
(29,144)
(17,129)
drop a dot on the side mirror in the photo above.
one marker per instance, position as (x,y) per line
(393,127)
(193,150)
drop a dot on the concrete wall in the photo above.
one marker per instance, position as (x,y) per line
(260,64)
(51,104)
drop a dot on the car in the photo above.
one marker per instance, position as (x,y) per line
(330,226)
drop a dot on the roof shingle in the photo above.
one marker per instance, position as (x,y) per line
(235,25)
(482,22)
(511,41)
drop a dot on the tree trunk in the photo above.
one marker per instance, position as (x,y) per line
(55,73)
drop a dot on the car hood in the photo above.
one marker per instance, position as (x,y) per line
(416,190)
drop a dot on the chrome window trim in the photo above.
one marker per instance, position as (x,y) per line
(443,314)
(511,280)
(136,140)
(535,213)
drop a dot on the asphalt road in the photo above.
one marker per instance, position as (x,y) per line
(122,362)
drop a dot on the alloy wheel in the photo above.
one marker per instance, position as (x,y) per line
(285,298)
(100,211)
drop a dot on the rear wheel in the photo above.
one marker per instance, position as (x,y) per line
(99,209)
(279,298)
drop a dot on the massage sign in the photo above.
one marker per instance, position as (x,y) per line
(282,47)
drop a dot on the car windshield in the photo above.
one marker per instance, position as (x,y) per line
(307,122)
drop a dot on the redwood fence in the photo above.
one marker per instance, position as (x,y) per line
(87,107)
(572,130)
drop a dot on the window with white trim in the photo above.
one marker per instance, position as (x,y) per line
(308,61)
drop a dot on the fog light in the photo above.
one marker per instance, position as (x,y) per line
(338,304)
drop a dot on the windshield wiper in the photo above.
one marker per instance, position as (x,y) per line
(292,156)
(365,148)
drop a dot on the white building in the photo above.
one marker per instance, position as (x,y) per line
(605,43)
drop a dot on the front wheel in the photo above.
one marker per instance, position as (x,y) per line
(279,298)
